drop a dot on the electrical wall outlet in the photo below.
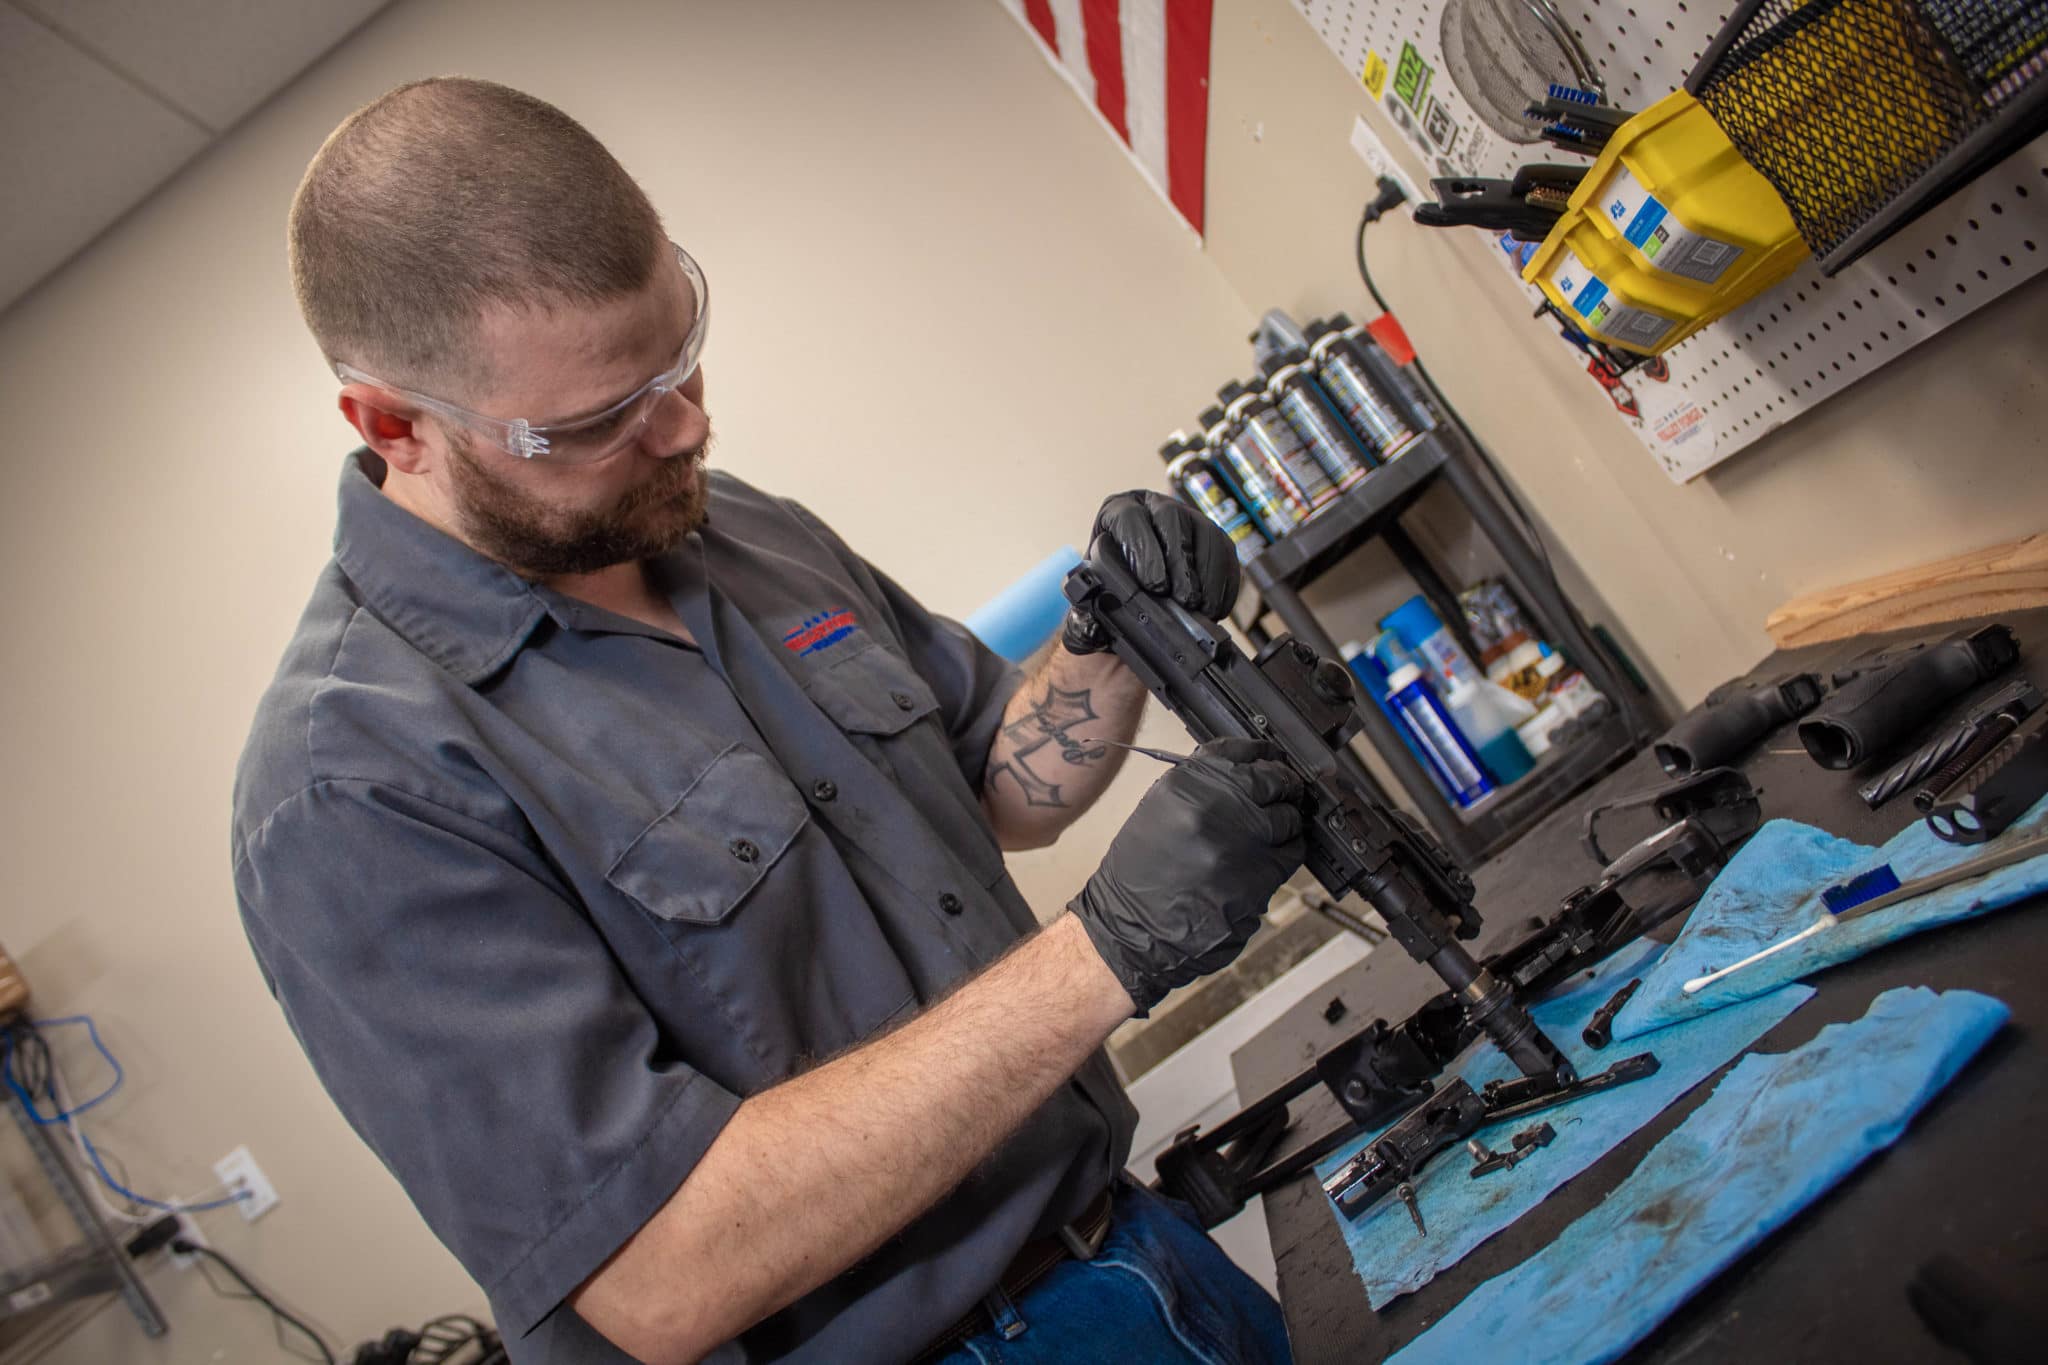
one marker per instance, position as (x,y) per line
(245,1179)
(187,1231)
(1384,161)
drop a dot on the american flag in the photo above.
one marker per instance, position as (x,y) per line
(1143,65)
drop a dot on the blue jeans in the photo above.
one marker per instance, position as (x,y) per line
(1158,1290)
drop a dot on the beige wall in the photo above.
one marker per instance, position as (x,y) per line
(995,321)
(949,317)
(1940,452)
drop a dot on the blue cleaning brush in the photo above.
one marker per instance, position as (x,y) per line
(1880,889)
(1860,888)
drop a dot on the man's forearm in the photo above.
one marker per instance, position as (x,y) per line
(807,1178)
(1044,768)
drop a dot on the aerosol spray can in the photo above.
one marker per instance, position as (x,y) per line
(1187,469)
(1292,386)
(1396,378)
(1361,382)
(1256,423)
(1259,495)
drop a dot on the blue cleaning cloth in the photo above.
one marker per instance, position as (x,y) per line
(1023,616)
(1775,1135)
(1771,889)
(1459,1211)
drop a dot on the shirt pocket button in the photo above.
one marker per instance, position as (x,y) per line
(950,903)
(904,701)
(744,849)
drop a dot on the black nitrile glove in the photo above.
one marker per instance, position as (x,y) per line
(1173,550)
(1187,879)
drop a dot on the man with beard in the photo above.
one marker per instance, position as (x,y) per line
(626,852)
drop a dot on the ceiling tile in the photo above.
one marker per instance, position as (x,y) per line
(78,146)
(216,59)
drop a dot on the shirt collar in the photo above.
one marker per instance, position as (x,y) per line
(461,609)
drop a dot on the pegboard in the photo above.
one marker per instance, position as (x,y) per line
(1800,343)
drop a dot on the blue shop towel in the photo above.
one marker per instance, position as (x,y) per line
(1460,1212)
(1777,1132)
(1771,889)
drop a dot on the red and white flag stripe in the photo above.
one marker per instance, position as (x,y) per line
(1144,67)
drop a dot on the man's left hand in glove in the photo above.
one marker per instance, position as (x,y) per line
(1173,550)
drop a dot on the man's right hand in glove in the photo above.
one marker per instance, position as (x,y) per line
(1187,879)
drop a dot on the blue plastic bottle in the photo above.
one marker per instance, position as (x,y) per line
(1462,688)
(1443,747)
(1365,665)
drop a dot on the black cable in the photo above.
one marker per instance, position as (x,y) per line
(186,1248)
(442,1337)
(31,1060)
(1493,469)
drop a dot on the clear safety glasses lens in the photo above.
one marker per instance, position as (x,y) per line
(608,432)
(592,438)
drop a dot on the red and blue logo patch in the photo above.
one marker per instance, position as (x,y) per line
(821,631)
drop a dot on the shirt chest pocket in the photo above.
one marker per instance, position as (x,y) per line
(764,925)
(889,713)
(892,716)
(702,857)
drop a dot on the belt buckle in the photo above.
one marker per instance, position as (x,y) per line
(1083,1247)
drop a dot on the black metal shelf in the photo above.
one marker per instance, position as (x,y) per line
(1510,813)
(55,1279)
(1354,517)
(1372,509)
(98,1264)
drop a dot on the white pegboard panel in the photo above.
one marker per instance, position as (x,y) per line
(1801,343)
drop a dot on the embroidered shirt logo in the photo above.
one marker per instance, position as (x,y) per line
(821,631)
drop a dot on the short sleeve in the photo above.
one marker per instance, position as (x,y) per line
(974,684)
(471,1025)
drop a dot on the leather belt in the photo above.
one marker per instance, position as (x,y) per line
(1080,1239)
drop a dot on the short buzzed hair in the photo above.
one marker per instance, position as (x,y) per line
(448,195)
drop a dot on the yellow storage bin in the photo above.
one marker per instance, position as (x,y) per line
(1669,230)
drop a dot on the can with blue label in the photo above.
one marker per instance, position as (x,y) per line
(1258,425)
(1188,470)
(1259,493)
(1301,400)
(1361,389)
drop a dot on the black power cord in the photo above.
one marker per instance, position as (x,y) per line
(1390,196)
(437,1341)
(185,1248)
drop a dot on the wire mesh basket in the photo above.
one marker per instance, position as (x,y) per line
(1863,113)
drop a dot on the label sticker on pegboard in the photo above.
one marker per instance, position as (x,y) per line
(1373,75)
(1442,128)
(1410,129)
(1665,243)
(1674,427)
(1411,78)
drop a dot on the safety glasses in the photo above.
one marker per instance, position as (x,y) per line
(585,439)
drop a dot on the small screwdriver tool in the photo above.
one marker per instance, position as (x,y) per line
(1161,754)
(1919,886)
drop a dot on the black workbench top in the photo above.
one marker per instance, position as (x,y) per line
(1831,1284)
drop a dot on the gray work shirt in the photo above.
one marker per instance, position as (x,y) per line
(545,892)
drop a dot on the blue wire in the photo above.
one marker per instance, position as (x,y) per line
(144,1199)
(68,1117)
